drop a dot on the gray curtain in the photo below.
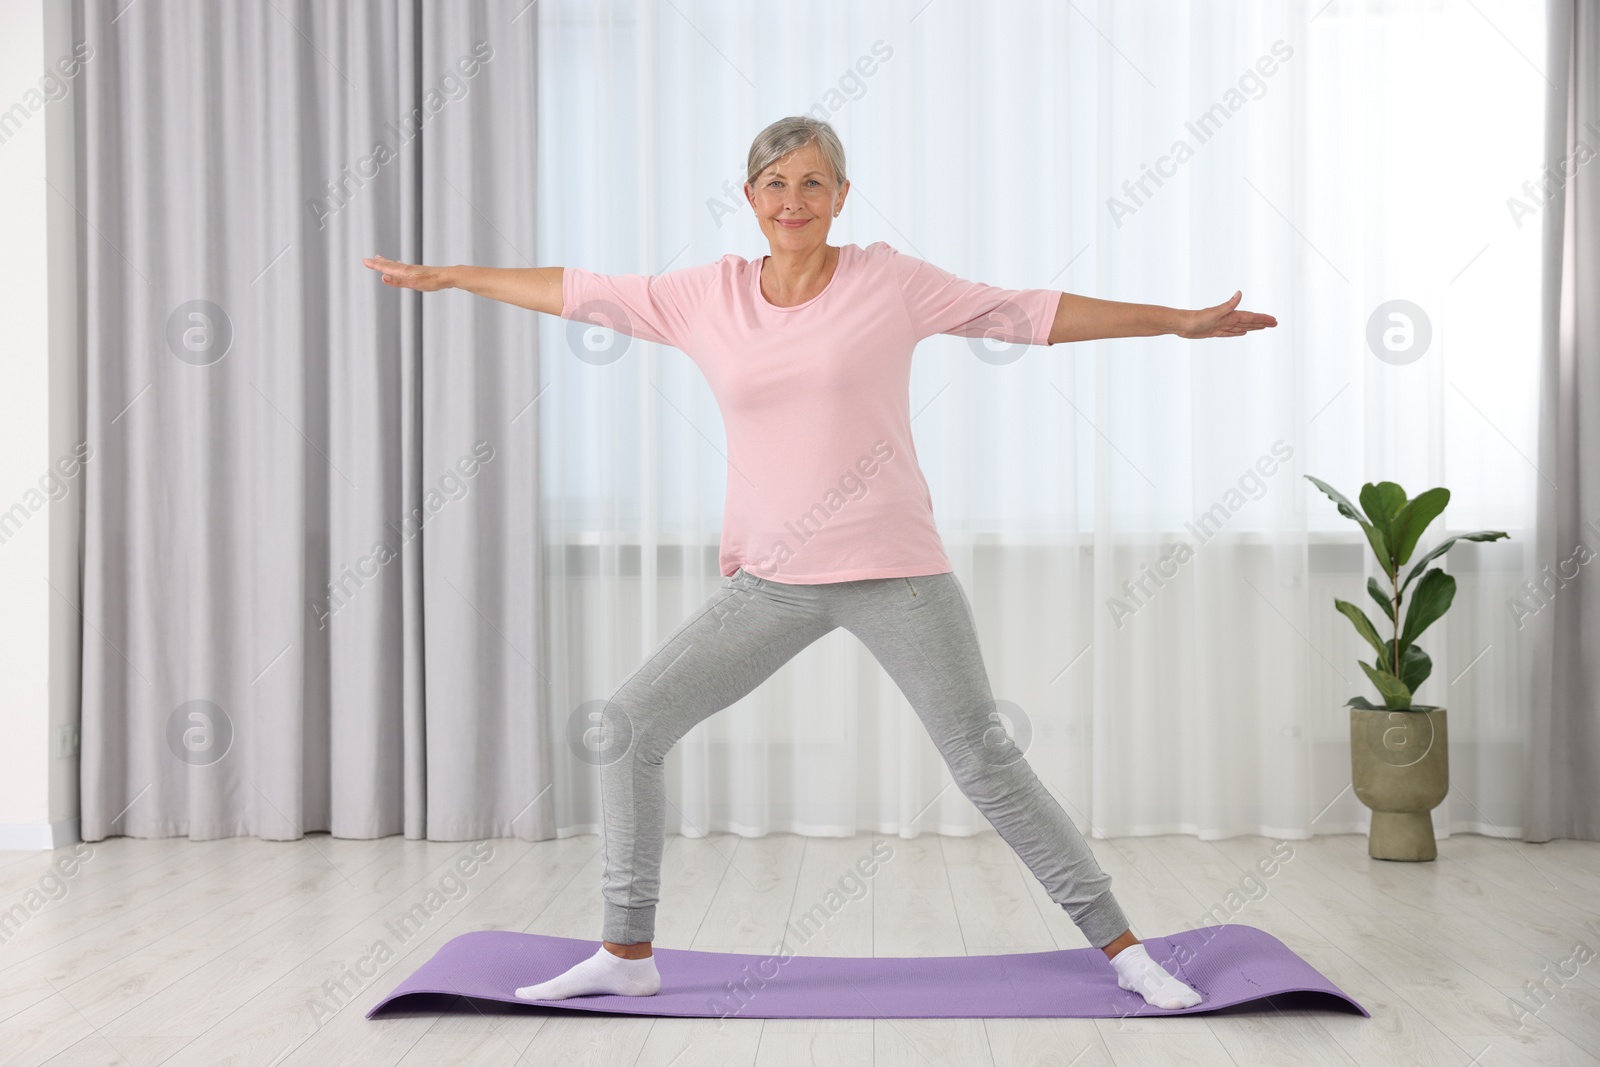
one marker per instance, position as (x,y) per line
(310,564)
(1562,780)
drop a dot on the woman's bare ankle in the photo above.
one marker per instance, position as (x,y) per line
(1124,940)
(638,950)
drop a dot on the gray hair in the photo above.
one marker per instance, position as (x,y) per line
(788,134)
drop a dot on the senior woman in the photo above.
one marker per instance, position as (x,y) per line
(828,521)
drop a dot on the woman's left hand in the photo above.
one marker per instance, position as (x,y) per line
(1224,321)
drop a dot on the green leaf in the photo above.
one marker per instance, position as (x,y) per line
(1347,509)
(1375,536)
(1364,627)
(1382,502)
(1396,696)
(1431,600)
(1363,703)
(1415,666)
(1380,547)
(1413,519)
(1444,546)
(1383,600)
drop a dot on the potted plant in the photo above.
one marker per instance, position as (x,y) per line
(1399,751)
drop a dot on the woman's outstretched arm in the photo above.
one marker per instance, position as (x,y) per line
(1083,318)
(535,288)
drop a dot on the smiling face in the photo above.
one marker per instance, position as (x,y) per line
(795,200)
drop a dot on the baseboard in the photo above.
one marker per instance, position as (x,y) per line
(38,837)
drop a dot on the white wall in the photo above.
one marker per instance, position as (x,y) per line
(41,484)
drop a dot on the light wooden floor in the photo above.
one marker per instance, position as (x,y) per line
(211,953)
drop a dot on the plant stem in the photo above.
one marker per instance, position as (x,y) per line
(1394,583)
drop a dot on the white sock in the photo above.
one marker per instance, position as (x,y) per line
(1138,973)
(604,972)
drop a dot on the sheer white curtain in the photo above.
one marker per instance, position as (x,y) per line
(1325,159)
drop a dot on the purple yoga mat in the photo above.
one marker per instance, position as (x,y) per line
(1226,965)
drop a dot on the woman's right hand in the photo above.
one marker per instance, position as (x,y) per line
(409,275)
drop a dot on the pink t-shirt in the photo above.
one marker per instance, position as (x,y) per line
(823,482)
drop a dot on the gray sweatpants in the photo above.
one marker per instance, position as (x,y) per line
(921,630)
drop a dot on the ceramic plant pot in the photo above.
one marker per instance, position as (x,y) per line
(1400,767)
